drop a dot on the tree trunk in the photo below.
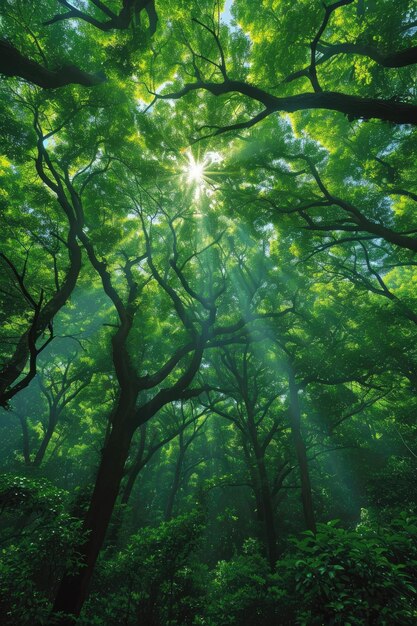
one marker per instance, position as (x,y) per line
(42,448)
(113,534)
(11,372)
(300,449)
(254,482)
(52,422)
(268,511)
(136,467)
(264,489)
(25,434)
(74,586)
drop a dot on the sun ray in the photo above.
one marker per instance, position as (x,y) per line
(194,170)
(197,172)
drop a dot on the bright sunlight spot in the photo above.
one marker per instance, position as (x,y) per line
(194,170)
(198,171)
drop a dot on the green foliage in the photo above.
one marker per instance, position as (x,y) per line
(399,477)
(156,579)
(38,542)
(358,577)
(363,576)
(276,289)
(238,593)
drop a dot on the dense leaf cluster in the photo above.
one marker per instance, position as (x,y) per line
(208,312)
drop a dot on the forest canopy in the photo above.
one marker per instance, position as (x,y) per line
(208,365)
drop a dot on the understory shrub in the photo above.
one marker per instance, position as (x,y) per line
(348,577)
(37,543)
(155,580)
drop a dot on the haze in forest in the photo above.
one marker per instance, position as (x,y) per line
(208,313)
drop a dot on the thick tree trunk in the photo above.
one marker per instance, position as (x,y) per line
(112,540)
(74,587)
(300,449)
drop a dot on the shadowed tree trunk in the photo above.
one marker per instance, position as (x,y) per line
(45,441)
(264,490)
(254,482)
(138,464)
(25,436)
(74,586)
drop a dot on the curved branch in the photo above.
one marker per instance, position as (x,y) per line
(401,58)
(352,106)
(13,63)
(312,72)
(127,16)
